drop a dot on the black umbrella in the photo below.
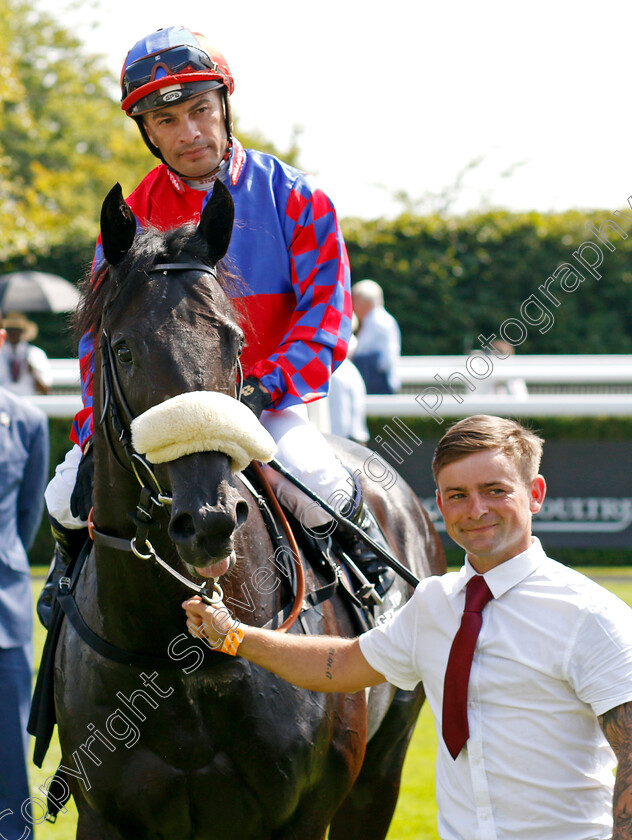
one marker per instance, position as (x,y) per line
(36,291)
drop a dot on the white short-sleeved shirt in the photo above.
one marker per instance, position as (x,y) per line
(379,335)
(27,356)
(554,652)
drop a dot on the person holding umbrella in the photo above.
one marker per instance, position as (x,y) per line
(24,368)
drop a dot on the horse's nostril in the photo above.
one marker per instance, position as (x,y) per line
(182,527)
(241,512)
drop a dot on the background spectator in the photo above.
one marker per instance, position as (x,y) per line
(24,368)
(23,473)
(347,398)
(497,383)
(379,339)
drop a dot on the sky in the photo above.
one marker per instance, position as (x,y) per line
(492,103)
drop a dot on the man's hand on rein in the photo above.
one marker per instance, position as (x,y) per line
(211,622)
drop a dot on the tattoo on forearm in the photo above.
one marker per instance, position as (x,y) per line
(617,727)
(330,661)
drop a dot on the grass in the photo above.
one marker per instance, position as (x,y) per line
(416,812)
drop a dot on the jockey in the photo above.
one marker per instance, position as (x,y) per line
(287,247)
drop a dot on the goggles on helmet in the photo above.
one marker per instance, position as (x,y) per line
(171,61)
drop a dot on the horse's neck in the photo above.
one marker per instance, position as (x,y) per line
(132,603)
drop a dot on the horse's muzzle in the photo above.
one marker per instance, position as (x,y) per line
(206,509)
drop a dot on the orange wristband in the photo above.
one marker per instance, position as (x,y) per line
(233,639)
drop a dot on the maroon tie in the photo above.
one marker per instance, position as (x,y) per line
(15,368)
(455,728)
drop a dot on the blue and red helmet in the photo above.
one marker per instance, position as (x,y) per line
(170,66)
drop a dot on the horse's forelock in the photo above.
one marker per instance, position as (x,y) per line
(113,286)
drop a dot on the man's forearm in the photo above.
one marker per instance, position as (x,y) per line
(622,800)
(317,663)
(617,727)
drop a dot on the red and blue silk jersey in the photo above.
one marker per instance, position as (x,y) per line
(288,248)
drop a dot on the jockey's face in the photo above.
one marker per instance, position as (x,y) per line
(191,136)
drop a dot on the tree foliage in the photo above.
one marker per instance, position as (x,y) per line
(64,142)
(60,133)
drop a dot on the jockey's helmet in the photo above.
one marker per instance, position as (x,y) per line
(168,67)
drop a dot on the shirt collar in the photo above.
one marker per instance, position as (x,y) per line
(504,577)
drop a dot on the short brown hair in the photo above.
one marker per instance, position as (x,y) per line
(484,432)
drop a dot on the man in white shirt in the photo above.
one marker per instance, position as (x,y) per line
(379,345)
(549,700)
(24,368)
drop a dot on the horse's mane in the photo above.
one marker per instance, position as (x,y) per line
(150,246)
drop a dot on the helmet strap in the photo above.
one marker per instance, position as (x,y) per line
(228,117)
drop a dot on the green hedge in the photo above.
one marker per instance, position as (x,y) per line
(448,280)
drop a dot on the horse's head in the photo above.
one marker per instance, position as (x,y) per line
(160,311)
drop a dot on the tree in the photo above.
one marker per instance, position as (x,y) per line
(64,142)
(60,132)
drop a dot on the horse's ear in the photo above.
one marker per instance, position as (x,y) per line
(118,226)
(216,223)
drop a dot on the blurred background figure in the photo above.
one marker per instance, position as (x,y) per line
(24,368)
(23,474)
(379,339)
(497,383)
(347,397)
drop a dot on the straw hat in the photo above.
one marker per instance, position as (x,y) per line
(19,321)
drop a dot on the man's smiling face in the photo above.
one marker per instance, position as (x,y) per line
(487,505)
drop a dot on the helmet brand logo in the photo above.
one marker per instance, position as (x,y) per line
(174,94)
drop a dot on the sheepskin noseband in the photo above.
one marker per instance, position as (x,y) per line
(202,421)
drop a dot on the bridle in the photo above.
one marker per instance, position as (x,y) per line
(116,410)
(115,404)
(116,419)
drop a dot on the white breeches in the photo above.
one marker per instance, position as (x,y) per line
(301,449)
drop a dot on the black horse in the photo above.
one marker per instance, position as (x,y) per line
(175,741)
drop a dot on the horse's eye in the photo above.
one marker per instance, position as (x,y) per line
(124,354)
